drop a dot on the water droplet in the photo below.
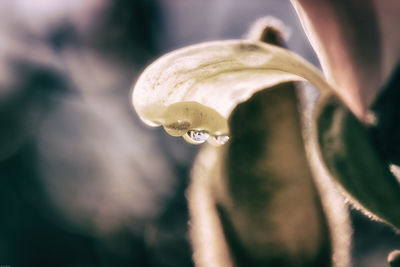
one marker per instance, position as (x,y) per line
(218,140)
(196,136)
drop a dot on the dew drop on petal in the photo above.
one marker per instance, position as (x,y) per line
(218,140)
(196,136)
(222,139)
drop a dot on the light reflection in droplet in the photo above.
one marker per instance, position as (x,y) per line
(218,140)
(196,136)
(221,139)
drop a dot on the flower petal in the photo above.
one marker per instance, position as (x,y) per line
(255,201)
(345,35)
(216,76)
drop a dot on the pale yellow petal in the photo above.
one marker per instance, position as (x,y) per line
(197,87)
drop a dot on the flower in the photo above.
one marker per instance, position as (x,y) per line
(200,89)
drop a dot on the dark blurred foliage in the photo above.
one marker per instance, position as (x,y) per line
(125,30)
(388,116)
(47,127)
(82,181)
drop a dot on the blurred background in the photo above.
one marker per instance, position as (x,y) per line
(82,181)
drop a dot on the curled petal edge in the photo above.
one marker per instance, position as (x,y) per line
(197,87)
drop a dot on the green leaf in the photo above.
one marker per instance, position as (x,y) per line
(355,163)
